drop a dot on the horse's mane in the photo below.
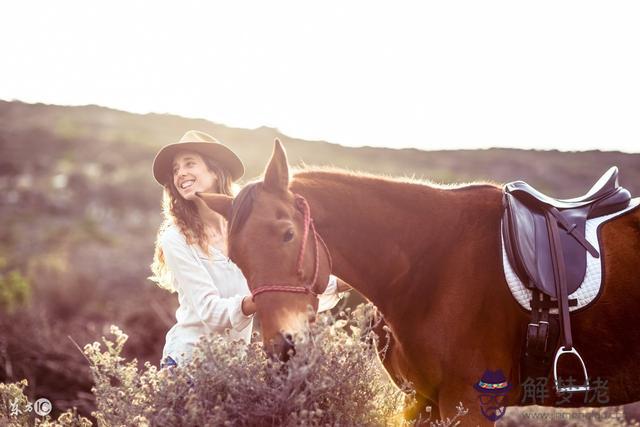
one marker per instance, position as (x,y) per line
(242,206)
(311,172)
(243,202)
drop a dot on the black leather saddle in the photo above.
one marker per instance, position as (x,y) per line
(546,245)
(526,229)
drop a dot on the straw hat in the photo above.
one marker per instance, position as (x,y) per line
(203,144)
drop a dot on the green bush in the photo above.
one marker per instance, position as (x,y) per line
(14,288)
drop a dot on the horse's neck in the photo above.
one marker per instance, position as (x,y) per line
(380,231)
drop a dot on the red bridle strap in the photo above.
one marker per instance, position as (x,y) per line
(303,207)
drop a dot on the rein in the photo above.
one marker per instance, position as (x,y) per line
(302,206)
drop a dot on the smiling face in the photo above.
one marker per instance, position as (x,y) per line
(191,175)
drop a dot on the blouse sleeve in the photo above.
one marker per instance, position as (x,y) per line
(329,299)
(198,288)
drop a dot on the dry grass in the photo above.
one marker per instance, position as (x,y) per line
(335,378)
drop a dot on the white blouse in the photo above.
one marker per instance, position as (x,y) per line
(210,292)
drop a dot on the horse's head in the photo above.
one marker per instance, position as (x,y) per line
(273,240)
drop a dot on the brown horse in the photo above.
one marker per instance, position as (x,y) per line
(430,259)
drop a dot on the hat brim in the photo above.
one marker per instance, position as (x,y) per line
(223,156)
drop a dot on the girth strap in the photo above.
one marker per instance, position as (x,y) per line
(541,337)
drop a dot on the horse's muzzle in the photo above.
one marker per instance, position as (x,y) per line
(283,346)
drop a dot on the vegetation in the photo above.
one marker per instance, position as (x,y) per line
(334,378)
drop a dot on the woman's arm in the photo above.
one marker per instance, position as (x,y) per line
(198,288)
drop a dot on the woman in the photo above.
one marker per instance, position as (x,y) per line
(191,247)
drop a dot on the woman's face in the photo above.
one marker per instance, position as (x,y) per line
(191,175)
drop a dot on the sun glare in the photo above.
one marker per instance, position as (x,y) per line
(449,75)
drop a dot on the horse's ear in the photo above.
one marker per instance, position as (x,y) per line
(220,203)
(276,177)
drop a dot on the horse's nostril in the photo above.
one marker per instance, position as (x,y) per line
(288,348)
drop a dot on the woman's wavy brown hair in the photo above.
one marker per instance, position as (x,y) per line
(184,214)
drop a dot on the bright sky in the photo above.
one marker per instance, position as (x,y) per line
(431,75)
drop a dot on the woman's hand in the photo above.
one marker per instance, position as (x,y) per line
(248,305)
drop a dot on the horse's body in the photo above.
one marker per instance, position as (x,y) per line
(430,259)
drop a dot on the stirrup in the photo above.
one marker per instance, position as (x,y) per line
(572,388)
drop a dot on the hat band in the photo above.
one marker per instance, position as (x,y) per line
(488,386)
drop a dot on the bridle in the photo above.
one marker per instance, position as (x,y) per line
(302,206)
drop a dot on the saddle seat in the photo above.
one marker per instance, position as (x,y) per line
(603,187)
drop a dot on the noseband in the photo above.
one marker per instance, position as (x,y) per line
(302,205)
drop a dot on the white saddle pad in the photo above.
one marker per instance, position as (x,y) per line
(590,286)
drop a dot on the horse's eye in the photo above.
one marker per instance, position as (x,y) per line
(288,236)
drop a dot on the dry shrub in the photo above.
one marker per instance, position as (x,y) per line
(34,346)
(334,378)
(17,411)
(13,403)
